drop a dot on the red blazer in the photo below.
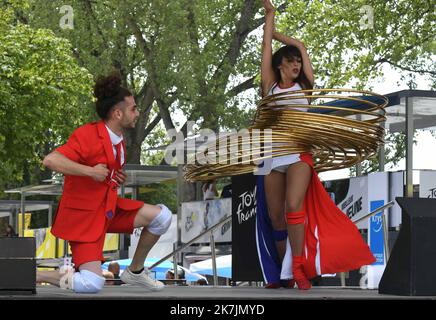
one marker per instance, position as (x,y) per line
(86,204)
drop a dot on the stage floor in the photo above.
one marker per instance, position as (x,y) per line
(211,293)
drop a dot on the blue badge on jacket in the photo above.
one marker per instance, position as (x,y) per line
(109,214)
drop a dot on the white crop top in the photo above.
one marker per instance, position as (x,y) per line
(275,89)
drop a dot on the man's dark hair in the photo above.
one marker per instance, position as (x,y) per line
(109,92)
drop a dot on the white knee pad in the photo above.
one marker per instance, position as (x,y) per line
(162,222)
(87,282)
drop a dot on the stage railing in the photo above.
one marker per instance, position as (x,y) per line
(384,224)
(184,246)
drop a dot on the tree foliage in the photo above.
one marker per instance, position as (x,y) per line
(202,57)
(349,41)
(43,93)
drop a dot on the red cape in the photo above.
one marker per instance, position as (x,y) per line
(331,237)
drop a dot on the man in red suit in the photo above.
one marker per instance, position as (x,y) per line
(92,162)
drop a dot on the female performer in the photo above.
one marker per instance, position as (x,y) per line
(293,207)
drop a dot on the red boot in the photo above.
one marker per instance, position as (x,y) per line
(272,285)
(288,284)
(299,276)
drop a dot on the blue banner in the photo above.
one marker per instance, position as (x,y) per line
(376,240)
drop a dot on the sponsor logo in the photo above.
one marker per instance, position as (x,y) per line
(432,193)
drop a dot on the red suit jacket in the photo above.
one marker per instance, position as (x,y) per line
(86,204)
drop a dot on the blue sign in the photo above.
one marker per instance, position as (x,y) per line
(376,240)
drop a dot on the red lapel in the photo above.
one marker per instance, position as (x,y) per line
(123,144)
(106,140)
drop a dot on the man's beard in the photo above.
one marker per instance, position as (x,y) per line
(129,125)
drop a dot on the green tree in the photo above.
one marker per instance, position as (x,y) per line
(43,94)
(179,54)
(349,41)
(187,55)
(202,57)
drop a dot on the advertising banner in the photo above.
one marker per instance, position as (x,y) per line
(427,184)
(396,189)
(376,242)
(198,216)
(351,196)
(245,261)
(46,243)
(378,195)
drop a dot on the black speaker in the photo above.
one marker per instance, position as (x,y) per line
(411,269)
(17,266)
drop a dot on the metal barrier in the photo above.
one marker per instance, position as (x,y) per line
(212,244)
(384,224)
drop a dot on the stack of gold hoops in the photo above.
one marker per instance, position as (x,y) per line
(338,135)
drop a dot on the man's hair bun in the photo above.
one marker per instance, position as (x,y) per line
(107,87)
(109,92)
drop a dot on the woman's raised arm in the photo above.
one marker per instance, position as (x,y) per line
(267,74)
(307,64)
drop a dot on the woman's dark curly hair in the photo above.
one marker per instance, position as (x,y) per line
(109,92)
(290,52)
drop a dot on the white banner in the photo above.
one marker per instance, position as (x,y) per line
(355,203)
(198,216)
(396,189)
(427,184)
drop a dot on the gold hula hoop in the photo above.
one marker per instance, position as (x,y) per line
(336,136)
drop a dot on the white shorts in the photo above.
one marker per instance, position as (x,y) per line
(282,163)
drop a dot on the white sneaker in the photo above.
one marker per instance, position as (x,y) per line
(143,279)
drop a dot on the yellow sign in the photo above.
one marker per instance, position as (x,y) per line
(27,217)
(46,243)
